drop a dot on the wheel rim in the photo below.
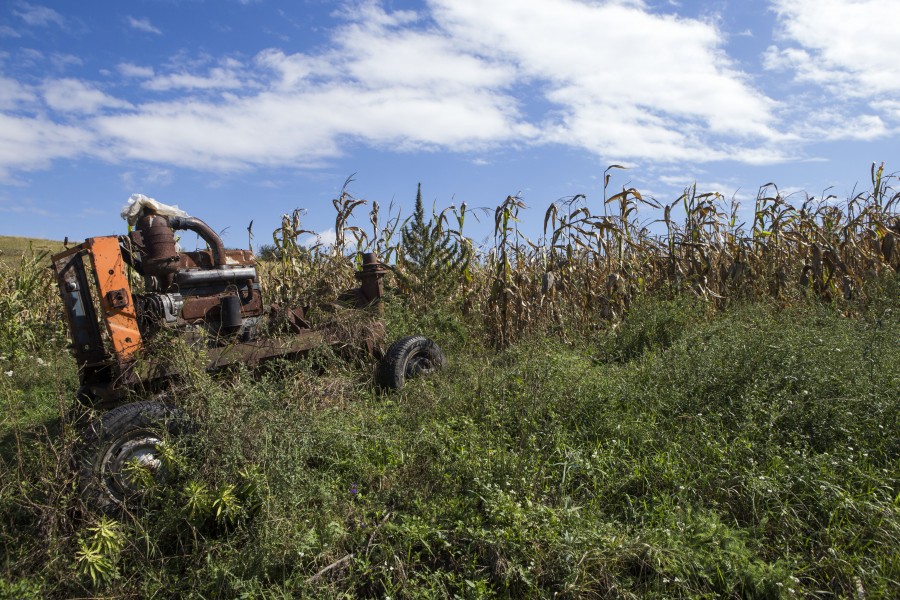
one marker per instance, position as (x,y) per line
(133,464)
(418,364)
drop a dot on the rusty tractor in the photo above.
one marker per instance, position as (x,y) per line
(212,300)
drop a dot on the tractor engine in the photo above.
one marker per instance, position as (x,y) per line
(213,292)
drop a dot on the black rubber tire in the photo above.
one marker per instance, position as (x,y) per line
(409,357)
(128,432)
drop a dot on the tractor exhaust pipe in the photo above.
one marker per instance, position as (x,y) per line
(204,231)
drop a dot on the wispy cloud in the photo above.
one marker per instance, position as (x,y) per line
(133,70)
(143,24)
(218,78)
(29,143)
(144,178)
(74,96)
(14,95)
(9,32)
(38,16)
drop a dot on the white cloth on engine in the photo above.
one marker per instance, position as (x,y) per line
(133,211)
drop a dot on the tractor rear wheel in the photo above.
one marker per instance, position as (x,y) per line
(407,358)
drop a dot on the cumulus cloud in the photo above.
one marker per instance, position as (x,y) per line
(609,77)
(625,79)
(848,43)
(839,47)
(143,24)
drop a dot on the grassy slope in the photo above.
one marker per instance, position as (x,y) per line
(13,248)
(754,454)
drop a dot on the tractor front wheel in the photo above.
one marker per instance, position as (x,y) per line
(127,452)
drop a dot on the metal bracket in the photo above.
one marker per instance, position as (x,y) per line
(117,298)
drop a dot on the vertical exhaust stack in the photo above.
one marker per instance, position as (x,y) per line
(371,284)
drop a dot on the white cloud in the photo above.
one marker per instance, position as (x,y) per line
(143,24)
(146,177)
(32,143)
(74,96)
(7,31)
(13,94)
(133,70)
(63,61)
(293,71)
(38,16)
(383,56)
(829,124)
(889,108)
(326,238)
(849,43)
(218,78)
(609,77)
(846,49)
(629,83)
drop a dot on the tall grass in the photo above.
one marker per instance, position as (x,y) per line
(29,306)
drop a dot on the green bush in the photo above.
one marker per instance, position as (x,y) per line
(654,324)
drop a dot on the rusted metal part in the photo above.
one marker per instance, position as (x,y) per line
(117,298)
(199,308)
(355,330)
(290,320)
(112,283)
(370,278)
(74,288)
(253,353)
(204,231)
(157,242)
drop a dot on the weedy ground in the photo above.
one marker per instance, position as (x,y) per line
(753,453)
(699,437)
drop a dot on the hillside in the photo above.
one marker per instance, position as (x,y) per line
(13,248)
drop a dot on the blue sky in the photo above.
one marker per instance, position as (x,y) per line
(240,110)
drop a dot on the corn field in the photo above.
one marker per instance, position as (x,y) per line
(595,257)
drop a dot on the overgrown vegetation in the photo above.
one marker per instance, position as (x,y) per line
(708,412)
